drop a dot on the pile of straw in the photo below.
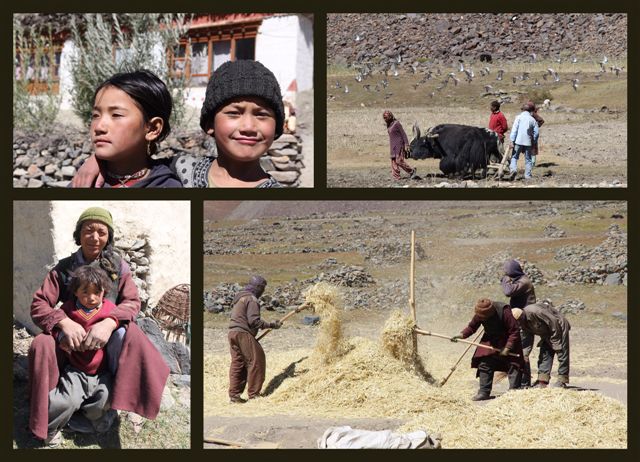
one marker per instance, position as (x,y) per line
(398,337)
(399,340)
(330,343)
(363,382)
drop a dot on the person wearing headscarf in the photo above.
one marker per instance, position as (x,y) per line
(501,332)
(139,370)
(553,328)
(518,287)
(399,146)
(248,362)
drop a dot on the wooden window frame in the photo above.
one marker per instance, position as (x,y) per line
(213,35)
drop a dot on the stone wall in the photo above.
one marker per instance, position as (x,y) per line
(52,159)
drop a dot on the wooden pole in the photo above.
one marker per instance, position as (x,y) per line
(506,158)
(412,278)
(453,369)
(233,444)
(284,318)
(433,334)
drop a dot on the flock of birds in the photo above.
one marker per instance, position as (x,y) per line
(376,78)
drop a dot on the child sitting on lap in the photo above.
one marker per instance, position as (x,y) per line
(86,381)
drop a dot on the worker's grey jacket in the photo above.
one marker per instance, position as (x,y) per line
(546,322)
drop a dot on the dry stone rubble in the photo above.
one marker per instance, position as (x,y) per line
(53,159)
(603,264)
(417,38)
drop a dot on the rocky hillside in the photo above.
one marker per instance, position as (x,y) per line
(358,38)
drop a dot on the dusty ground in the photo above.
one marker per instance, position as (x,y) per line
(582,143)
(449,234)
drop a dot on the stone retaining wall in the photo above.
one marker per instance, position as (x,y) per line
(52,159)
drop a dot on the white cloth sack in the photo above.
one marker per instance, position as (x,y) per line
(349,438)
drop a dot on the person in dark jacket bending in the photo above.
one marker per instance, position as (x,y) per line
(501,332)
(518,287)
(248,363)
(553,328)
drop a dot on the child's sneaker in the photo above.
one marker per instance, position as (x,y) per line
(79,423)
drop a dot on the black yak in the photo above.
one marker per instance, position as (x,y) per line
(462,149)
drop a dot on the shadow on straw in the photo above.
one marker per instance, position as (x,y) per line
(276,381)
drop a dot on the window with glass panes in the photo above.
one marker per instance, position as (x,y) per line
(205,51)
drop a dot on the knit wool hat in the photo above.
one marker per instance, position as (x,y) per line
(96,213)
(484,308)
(242,78)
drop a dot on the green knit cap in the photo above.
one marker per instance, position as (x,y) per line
(96,213)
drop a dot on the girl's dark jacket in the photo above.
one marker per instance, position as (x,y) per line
(160,176)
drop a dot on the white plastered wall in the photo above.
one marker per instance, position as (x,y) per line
(66,81)
(304,55)
(285,45)
(40,239)
(32,252)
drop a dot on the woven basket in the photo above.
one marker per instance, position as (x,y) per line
(174,309)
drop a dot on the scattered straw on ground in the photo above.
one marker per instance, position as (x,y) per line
(534,418)
(367,381)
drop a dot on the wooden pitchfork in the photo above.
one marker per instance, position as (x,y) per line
(506,158)
(304,306)
(455,366)
(480,345)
